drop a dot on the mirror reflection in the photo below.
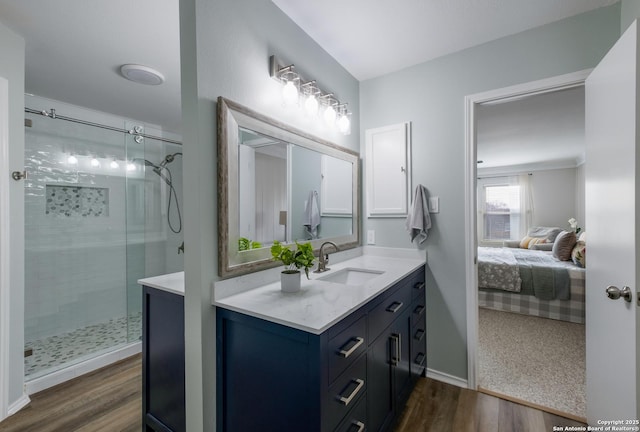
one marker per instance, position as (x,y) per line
(281,185)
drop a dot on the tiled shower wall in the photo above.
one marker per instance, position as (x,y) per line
(105,227)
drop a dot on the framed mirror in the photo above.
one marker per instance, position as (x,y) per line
(276,182)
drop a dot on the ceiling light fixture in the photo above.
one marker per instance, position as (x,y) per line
(141,74)
(335,114)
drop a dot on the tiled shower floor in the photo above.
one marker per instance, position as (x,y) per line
(59,351)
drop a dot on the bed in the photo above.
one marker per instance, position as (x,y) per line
(530,282)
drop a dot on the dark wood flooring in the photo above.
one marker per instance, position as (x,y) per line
(438,407)
(109,399)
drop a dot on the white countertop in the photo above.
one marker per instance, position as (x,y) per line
(172,282)
(319,304)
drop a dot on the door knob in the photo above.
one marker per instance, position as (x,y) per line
(614,293)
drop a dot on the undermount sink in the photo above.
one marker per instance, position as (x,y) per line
(351,276)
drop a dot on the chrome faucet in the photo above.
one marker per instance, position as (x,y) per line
(324,258)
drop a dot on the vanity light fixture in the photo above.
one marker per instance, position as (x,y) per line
(334,113)
(95,163)
(310,91)
(72,160)
(344,120)
(329,113)
(114,164)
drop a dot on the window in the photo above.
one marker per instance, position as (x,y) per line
(504,208)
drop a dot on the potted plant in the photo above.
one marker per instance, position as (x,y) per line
(293,262)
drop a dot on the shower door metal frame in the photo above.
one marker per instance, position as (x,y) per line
(4,249)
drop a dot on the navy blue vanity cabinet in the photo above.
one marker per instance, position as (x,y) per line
(163,391)
(391,367)
(276,378)
(271,377)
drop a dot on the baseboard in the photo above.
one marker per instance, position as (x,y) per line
(58,377)
(22,402)
(446,378)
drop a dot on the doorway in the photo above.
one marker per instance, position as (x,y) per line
(473,104)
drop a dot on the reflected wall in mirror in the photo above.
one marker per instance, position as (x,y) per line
(276,182)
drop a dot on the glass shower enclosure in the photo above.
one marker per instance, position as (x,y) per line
(101,212)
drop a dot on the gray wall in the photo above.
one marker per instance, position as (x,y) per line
(225,48)
(12,69)
(630,10)
(554,197)
(431,96)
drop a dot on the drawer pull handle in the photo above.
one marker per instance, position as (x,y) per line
(346,353)
(347,400)
(359,425)
(397,349)
(419,334)
(419,285)
(394,307)
(418,310)
(420,359)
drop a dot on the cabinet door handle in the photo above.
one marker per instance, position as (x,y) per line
(418,310)
(346,353)
(395,356)
(419,285)
(420,359)
(394,307)
(348,399)
(419,334)
(359,425)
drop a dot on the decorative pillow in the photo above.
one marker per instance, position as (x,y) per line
(578,254)
(563,245)
(527,242)
(583,237)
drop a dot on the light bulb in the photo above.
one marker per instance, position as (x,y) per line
(344,124)
(72,160)
(95,163)
(290,93)
(114,164)
(311,105)
(131,167)
(330,115)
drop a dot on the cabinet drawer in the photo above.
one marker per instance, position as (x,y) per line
(418,355)
(388,310)
(356,420)
(346,392)
(417,311)
(346,347)
(417,288)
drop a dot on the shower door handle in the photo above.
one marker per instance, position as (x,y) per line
(19,175)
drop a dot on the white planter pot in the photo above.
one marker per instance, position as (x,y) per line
(290,282)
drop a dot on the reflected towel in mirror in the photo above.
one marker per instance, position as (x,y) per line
(311,217)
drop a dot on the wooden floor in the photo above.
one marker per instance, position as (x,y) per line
(438,407)
(110,400)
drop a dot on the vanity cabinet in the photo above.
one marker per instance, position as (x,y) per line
(354,376)
(163,372)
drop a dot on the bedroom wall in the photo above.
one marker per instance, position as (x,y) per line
(225,48)
(554,197)
(580,197)
(431,96)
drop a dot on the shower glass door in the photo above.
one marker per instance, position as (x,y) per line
(98,217)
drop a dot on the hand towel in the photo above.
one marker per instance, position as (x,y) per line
(311,217)
(418,220)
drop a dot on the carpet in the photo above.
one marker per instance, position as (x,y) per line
(538,360)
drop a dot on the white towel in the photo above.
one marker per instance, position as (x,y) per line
(418,220)
(311,217)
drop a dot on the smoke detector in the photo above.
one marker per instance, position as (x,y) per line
(141,74)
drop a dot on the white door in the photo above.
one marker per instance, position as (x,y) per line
(612,170)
